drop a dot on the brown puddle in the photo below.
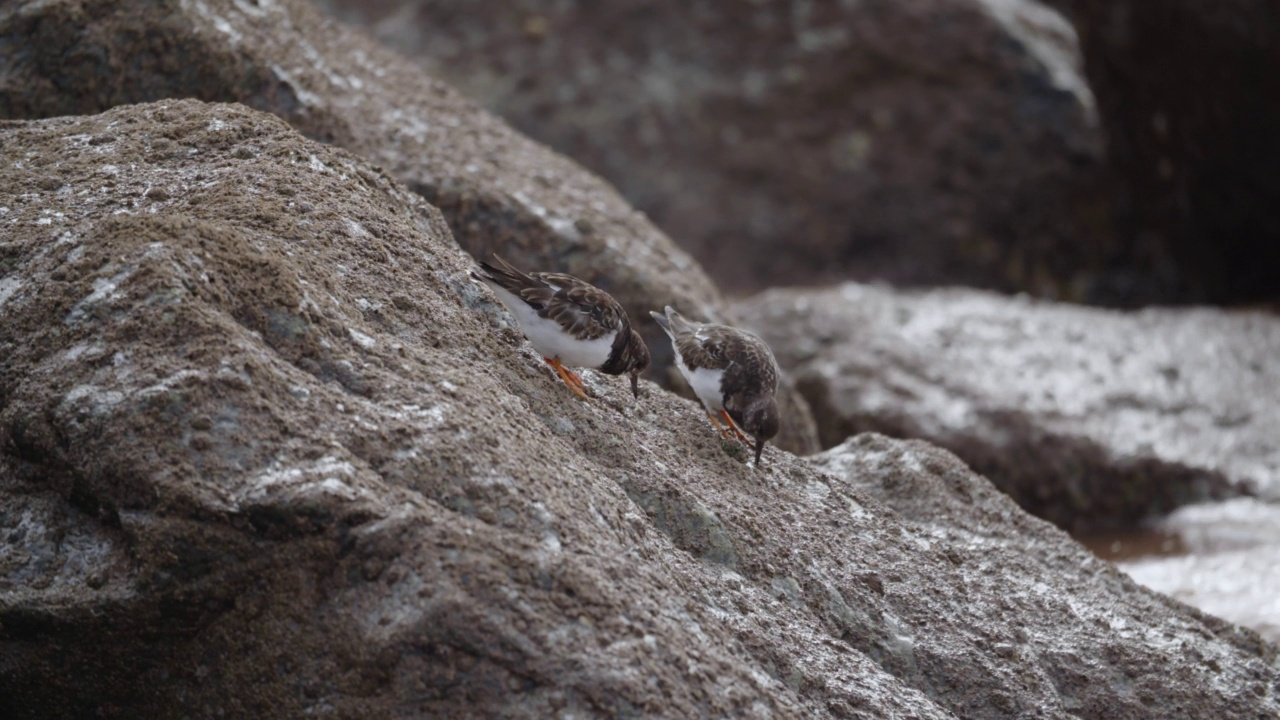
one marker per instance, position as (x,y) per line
(1134,544)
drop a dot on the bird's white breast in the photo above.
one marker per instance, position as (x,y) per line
(705,383)
(548,338)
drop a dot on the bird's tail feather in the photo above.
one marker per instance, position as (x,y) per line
(662,320)
(676,323)
(503,274)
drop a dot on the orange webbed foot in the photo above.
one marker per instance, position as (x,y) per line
(734,427)
(723,433)
(569,377)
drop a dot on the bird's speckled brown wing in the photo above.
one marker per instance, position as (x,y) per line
(749,366)
(583,310)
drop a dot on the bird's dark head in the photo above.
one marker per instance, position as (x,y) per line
(761,420)
(638,361)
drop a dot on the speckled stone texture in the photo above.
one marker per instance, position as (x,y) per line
(266,451)
(498,190)
(1092,418)
(801,142)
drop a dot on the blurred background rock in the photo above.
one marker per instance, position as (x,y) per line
(1190,100)
(923,143)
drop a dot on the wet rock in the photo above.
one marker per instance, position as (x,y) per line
(937,141)
(203,516)
(1226,560)
(1190,108)
(498,190)
(1090,418)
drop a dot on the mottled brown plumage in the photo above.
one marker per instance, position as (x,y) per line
(581,317)
(732,371)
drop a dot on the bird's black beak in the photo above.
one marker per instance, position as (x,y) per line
(635,385)
(759,449)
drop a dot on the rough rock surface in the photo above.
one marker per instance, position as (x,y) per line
(1090,418)
(934,141)
(269,454)
(1190,100)
(498,190)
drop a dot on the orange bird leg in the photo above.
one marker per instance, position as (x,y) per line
(723,433)
(573,381)
(734,427)
(574,378)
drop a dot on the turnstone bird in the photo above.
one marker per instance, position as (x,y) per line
(732,372)
(570,322)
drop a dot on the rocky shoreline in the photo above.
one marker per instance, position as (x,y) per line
(267,450)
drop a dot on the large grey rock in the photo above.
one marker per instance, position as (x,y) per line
(934,141)
(498,190)
(265,451)
(1091,418)
(1190,105)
